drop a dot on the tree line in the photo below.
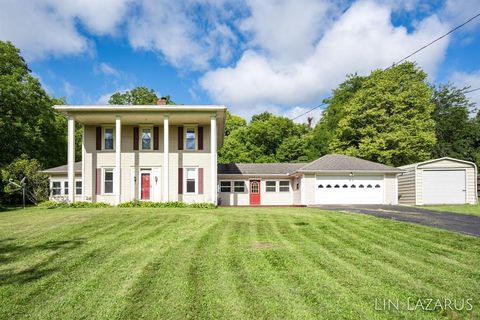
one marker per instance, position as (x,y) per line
(390,116)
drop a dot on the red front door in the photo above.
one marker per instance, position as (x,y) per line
(145,186)
(254,192)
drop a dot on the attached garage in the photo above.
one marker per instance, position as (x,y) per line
(341,179)
(438,181)
(345,189)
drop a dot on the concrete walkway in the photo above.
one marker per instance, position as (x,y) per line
(442,220)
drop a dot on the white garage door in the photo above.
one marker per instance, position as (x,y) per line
(349,190)
(444,186)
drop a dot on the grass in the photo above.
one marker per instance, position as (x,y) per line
(231,263)
(468,209)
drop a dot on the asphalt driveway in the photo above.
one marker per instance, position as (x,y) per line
(442,220)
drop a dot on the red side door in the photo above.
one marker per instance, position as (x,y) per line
(254,192)
(145,186)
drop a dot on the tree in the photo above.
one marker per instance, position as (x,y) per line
(293,149)
(136,96)
(233,122)
(389,119)
(36,181)
(324,132)
(453,126)
(28,123)
(260,139)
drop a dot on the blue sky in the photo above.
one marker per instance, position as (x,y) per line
(283,56)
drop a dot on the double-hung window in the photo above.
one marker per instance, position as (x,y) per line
(146,138)
(239,186)
(284,186)
(190,138)
(56,188)
(191,180)
(225,186)
(108,140)
(108,181)
(78,187)
(65,187)
(271,186)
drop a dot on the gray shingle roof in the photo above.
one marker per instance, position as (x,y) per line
(339,162)
(259,168)
(64,168)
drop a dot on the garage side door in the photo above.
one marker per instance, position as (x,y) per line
(444,187)
(349,190)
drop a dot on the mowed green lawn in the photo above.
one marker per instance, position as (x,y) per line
(231,263)
(469,209)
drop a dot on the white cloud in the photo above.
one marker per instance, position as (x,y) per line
(468,79)
(49,27)
(68,88)
(459,11)
(287,29)
(108,70)
(170,28)
(363,38)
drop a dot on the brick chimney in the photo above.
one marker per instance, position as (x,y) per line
(162,101)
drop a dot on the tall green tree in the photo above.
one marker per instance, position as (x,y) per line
(453,126)
(28,123)
(389,119)
(136,96)
(233,122)
(324,132)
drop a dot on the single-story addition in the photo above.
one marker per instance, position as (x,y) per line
(58,177)
(438,181)
(331,179)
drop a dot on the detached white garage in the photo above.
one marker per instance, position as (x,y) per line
(438,181)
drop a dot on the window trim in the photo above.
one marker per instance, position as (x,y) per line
(266,186)
(195,129)
(230,186)
(140,129)
(104,128)
(280,186)
(59,188)
(104,170)
(244,186)
(77,188)
(185,176)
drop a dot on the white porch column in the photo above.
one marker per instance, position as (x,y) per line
(71,158)
(84,152)
(213,160)
(118,159)
(165,158)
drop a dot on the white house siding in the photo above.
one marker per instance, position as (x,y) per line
(266,198)
(308,181)
(391,189)
(470,173)
(137,159)
(406,186)
(62,178)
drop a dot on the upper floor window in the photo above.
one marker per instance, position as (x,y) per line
(190,138)
(146,135)
(108,140)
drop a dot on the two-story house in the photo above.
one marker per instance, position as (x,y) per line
(147,152)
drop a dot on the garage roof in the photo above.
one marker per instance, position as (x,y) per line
(64,168)
(259,168)
(340,162)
